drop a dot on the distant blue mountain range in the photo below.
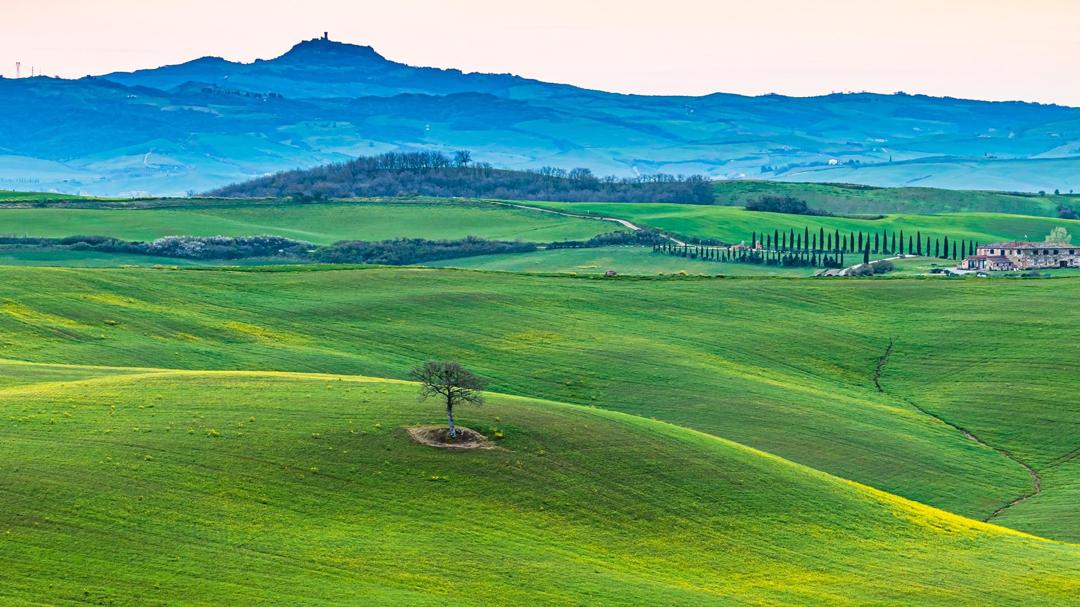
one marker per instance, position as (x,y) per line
(210,122)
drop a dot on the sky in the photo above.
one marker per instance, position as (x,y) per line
(983,49)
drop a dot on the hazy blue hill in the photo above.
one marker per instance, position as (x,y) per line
(323,68)
(210,122)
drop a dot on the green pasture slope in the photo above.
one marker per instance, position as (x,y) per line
(783,365)
(158,487)
(13,196)
(50,256)
(623,260)
(848,199)
(734,224)
(323,223)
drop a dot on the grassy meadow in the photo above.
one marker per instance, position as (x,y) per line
(623,260)
(785,366)
(316,223)
(858,199)
(685,433)
(14,196)
(735,224)
(143,486)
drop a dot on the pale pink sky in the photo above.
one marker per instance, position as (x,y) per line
(987,49)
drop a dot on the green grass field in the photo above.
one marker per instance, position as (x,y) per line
(848,199)
(316,223)
(49,256)
(624,260)
(781,365)
(735,224)
(13,196)
(165,487)
(183,434)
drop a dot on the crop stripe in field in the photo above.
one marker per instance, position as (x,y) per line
(1036,478)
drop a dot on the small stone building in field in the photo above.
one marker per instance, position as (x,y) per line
(1023,256)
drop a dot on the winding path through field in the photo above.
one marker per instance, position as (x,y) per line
(1036,478)
(622,222)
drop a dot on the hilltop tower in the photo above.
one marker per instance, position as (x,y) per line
(326,36)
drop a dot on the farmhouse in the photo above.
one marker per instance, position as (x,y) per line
(1023,256)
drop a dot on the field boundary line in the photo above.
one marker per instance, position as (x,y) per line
(1036,478)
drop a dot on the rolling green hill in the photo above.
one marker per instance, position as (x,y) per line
(735,224)
(13,196)
(141,486)
(786,366)
(858,199)
(316,223)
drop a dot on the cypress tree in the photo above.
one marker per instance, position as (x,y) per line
(937,248)
(902,242)
(910,246)
(860,241)
(866,253)
(806,238)
(946,248)
(821,237)
(928,246)
(892,249)
(918,243)
(877,245)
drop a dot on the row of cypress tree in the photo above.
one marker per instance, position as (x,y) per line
(833,259)
(878,243)
(823,248)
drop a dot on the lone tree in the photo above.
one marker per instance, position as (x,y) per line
(451,382)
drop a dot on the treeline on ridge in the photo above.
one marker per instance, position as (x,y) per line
(438,175)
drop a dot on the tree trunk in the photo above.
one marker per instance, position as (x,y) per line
(450,418)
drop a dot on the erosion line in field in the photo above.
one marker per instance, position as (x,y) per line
(1036,478)
(880,366)
(1064,459)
